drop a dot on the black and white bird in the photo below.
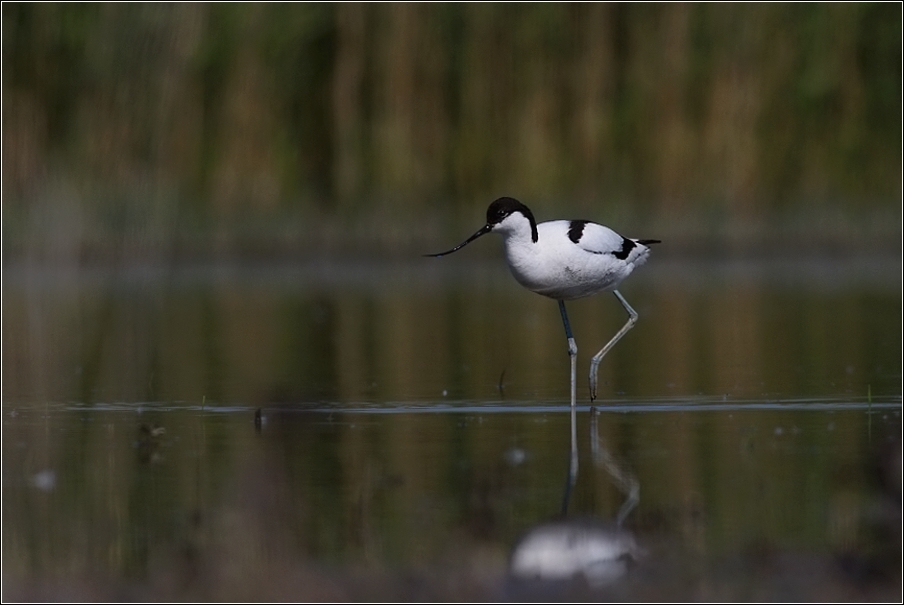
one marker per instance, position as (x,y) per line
(565,260)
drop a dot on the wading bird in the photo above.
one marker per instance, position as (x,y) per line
(565,260)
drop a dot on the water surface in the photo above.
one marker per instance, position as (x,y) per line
(412,427)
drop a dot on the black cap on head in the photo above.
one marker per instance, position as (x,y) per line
(496,213)
(505,206)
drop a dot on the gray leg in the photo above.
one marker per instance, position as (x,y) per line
(572,352)
(595,362)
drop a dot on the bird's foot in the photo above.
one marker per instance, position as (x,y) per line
(594,370)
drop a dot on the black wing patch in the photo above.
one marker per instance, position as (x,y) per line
(626,247)
(576,230)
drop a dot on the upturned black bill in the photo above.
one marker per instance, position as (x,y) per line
(482,231)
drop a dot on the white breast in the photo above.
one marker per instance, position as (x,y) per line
(564,269)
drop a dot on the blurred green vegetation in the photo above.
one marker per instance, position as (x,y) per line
(183,129)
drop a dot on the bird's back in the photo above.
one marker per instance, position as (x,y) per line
(573,259)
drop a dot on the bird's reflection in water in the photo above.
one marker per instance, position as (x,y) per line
(569,549)
(623,478)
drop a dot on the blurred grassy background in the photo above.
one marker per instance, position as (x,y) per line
(162,131)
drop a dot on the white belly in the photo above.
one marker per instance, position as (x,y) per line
(567,273)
